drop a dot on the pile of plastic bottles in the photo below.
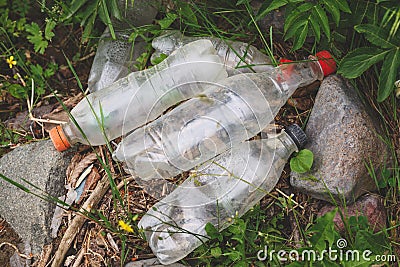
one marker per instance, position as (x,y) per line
(199,111)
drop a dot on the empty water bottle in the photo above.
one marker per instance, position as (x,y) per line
(226,114)
(116,58)
(226,187)
(141,96)
(239,57)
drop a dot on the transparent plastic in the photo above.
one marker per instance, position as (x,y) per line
(114,59)
(142,96)
(237,56)
(217,191)
(201,128)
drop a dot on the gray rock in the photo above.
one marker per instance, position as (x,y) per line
(40,164)
(151,262)
(344,138)
(370,206)
(275,18)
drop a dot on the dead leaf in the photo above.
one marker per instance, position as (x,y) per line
(301,103)
(83,176)
(307,90)
(72,165)
(91,182)
(80,167)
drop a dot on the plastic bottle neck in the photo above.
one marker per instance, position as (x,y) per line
(72,133)
(292,76)
(283,145)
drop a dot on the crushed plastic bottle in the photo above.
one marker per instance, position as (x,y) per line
(135,13)
(141,96)
(115,59)
(225,114)
(239,57)
(227,187)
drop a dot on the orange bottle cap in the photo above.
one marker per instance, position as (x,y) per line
(59,139)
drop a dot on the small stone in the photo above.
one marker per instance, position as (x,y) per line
(370,206)
(40,164)
(344,137)
(151,262)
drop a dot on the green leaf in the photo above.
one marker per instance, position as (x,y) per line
(240,2)
(167,21)
(87,12)
(234,255)
(323,231)
(216,252)
(361,262)
(376,35)
(211,231)
(365,240)
(316,28)
(359,60)
(112,6)
(158,59)
(333,10)
(342,5)
(17,91)
(187,13)
(33,29)
(48,30)
(74,7)
(387,78)
(298,12)
(301,38)
(89,27)
(105,17)
(321,16)
(293,31)
(275,4)
(302,162)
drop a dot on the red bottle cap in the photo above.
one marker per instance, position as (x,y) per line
(284,60)
(59,139)
(326,61)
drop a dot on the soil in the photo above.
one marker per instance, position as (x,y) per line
(7,235)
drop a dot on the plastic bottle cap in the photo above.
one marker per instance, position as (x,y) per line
(59,139)
(297,134)
(326,61)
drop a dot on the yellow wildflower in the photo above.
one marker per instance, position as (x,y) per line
(11,62)
(124,226)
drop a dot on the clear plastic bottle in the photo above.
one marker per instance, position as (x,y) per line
(115,59)
(226,114)
(226,187)
(239,57)
(141,96)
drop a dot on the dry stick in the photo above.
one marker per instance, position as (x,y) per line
(16,250)
(79,220)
